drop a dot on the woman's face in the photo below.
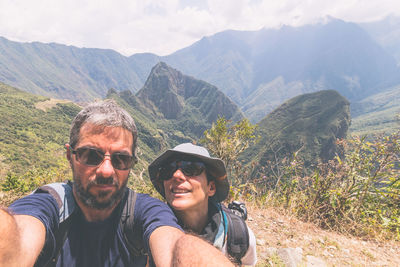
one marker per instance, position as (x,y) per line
(188,193)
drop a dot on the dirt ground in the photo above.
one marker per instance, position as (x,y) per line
(274,229)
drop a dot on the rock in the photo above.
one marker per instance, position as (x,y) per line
(270,251)
(327,253)
(346,251)
(260,242)
(315,262)
(290,256)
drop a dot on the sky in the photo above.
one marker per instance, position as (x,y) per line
(164,26)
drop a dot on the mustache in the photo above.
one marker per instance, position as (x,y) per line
(104,181)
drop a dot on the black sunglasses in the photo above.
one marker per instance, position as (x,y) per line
(189,168)
(94,157)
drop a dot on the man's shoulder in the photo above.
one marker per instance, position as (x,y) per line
(145,203)
(147,197)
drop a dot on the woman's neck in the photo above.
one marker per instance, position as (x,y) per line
(194,220)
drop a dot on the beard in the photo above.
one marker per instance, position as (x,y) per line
(99,201)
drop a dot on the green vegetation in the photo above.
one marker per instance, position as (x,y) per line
(358,194)
(376,114)
(227,142)
(307,125)
(30,136)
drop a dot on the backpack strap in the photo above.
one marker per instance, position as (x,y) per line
(62,193)
(132,240)
(238,235)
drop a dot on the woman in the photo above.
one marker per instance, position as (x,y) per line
(194,184)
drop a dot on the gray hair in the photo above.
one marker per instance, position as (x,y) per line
(104,114)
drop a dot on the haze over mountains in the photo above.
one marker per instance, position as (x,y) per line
(258,70)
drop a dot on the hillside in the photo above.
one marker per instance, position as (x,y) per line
(309,123)
(377,113)
(68,72)
(33,131)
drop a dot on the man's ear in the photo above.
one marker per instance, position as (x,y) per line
(212,189)
(69,156)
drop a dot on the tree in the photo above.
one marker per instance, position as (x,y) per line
(227,142)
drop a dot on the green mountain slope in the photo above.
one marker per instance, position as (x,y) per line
(309,123)
(68,72)
(33,130)
(377,113)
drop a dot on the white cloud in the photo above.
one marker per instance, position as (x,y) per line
(163,26)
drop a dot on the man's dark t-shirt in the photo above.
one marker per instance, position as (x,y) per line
(95,243)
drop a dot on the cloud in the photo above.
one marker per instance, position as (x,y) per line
(163,26)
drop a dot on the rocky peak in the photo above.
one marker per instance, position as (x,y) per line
(169,93)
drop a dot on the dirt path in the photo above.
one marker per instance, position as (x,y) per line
(273,229)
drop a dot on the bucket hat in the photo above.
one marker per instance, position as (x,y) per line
(215,166)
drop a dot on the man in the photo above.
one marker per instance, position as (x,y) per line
(101,151)
(194,184)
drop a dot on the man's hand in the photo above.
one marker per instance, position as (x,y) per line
(21,239)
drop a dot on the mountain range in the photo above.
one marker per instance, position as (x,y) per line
(258,70)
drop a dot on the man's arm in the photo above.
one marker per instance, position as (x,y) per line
(171,247)
(22,238)
(190,250)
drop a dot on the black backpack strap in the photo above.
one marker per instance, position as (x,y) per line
(238,235)
(132,240)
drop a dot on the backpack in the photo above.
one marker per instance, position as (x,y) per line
(238,234)
(62,192)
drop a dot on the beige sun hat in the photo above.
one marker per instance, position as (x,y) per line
(215,166)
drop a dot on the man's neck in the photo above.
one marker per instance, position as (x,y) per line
(95,215)
(92,214)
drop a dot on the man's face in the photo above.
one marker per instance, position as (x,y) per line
(102,186)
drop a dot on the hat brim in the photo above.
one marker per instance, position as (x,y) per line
(215,166)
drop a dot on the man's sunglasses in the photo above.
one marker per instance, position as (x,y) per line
(94,157)
(189,168)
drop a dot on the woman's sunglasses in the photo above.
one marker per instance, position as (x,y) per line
(189,168)
(94,157)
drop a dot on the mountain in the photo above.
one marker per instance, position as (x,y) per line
(386,32)
(172,95)
(68,72)
(309,123)
(176,107)
(261,69)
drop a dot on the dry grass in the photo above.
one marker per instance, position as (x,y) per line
(275,229)
(48,104)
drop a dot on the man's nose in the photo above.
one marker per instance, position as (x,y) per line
(106,168)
